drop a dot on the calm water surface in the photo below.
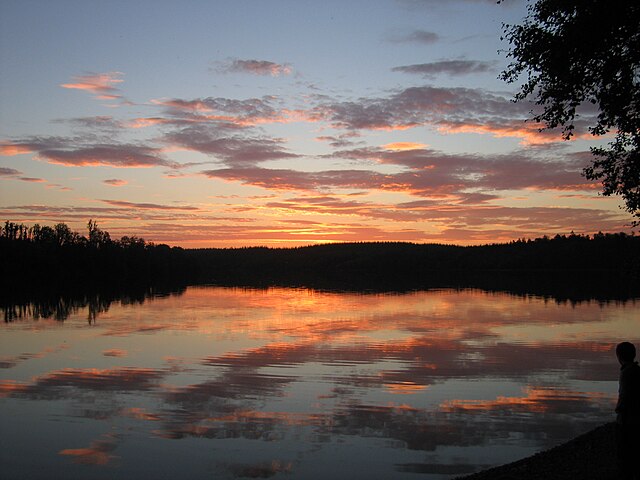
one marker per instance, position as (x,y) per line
(295,383)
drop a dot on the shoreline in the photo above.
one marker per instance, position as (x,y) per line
(590,456)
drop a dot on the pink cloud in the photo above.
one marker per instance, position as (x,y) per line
(100,84)
(147,122)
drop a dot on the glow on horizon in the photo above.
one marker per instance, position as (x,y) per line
(280,135)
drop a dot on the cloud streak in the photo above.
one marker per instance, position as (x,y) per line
(449,110)
(425,173)
(452,68)
(121,156)
(148,206)
(9,172)
(231,150)
(77,152)
(256,67)
(115,182)
(98,453)
(423,37)
(418,106)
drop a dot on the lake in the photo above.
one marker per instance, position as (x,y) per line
(216,382)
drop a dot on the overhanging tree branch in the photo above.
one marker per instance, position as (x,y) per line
(572,55)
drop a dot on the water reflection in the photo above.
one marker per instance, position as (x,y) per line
(60,307)
(265,383)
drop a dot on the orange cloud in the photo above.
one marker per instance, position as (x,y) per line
(11,149)
(140,414)
(99,453)
(404,146)
(147,122)
(405,388)
(536,399)
(11,387)
(529,134)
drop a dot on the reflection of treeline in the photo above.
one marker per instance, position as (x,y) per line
(59,306)
(606,265)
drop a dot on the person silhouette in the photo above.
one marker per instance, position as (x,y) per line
(628,413)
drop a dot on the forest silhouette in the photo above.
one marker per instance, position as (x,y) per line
(48,261)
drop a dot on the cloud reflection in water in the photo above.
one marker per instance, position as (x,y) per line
(441,373)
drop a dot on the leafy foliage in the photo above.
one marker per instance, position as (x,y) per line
(575,55)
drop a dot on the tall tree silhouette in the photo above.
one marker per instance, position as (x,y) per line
(97,238)
(577,54)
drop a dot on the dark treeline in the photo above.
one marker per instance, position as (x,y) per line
(602,266)
(41,259)
(573,267)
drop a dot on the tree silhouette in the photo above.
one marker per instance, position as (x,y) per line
(45,260)
(577,54)
(97,238)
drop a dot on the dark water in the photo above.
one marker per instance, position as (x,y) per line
(295,383)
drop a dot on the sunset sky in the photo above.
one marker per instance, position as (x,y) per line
(281,123)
